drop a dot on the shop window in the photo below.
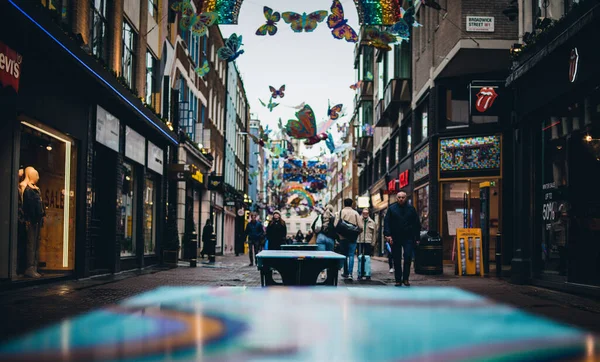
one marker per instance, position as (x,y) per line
(457,109)
(150,77)
(406,143)
(393,152)
(128,55)
(46,212)
(153,9)
(98,25)
(150,216)
(421,202)
(424,122)
(127,205)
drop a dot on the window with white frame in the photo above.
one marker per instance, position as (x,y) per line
(128,54)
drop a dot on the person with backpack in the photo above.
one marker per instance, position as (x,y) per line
(348,226)
(255,233)
(323,228)
(366,245)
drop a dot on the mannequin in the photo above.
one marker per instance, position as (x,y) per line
(21,233)
(33,213)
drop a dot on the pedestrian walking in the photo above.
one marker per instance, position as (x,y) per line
(402,228)
(348,242)
(208,241)
(323,226)
(299,237)
(366,244)
(255,233)
(276,231)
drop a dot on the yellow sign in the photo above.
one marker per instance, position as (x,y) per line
(469,250)
(198,176)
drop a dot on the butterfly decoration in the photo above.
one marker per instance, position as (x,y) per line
(203,70)
(333,112)
(197,23)
(304,126)
(401,29)
(356,85)
(369,76)
(331,145)
(379,39)
(408,16)
(271,105)
(338,25)
(342,128)
(368,129)
(231,51)
(277,92)
(306,22)
(270,27)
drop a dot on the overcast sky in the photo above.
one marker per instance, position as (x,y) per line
(313,66)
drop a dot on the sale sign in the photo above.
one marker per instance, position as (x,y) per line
(10,67)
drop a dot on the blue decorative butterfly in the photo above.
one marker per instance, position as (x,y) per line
(231,51)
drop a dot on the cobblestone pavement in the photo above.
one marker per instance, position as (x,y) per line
(26,309)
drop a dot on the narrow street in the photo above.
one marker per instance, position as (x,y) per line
(28,309)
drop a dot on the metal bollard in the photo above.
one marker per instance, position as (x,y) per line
(498,255)
(193,250)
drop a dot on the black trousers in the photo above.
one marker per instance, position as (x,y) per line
(254,247)
(399,248)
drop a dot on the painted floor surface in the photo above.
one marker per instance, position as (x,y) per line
(305,324)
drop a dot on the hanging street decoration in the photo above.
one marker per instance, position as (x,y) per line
(271,26)
(277,92)
(271,105)
(203,70)
(304,22)
(379,39)
(231,51)
(197,23)
(227,10)
(339,25)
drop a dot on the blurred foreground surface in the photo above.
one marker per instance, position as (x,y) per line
(305,324)
(358,321)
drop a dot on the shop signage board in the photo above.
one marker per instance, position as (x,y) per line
(470,153)
(489,98)
(135,146)
(108,129)
(215,182)
(155,158)
(469,252)
(421,163)
(10,67)
(480,24)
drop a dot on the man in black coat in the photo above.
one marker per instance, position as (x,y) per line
(401,230)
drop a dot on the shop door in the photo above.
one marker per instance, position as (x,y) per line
(463,206)
(104,205)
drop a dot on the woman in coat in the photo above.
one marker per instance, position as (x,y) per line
(276,231)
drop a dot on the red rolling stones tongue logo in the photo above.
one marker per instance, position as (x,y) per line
(485,99)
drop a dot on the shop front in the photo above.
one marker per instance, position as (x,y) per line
(470,179)
(82,181)
(561,122)
(421,182)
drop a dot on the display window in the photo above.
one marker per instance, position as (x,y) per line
(46,209)
(127,205)
(470,203)
(421,203)
(150,216)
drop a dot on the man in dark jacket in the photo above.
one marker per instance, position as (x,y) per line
(256,234)
(401,230)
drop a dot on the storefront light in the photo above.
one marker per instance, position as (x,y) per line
(588,138)
(49,147)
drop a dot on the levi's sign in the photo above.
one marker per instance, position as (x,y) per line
(10,67)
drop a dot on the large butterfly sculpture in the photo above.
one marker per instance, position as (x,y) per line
(338,25)
(270,27)
(271,105)
(331,145)
(333,112)
(402,27)
(203,70)
(197,23)
(379,39)
(305,127)
(231,51)
(277,92)
(306,22)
